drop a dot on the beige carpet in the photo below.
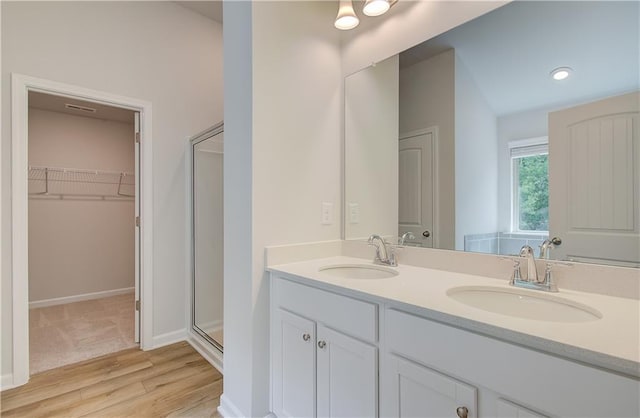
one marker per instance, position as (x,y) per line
(66,334)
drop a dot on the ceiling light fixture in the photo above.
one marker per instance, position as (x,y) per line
(375,7)
(346,18)
(561,73)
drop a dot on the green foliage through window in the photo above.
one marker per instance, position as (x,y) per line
(533,192)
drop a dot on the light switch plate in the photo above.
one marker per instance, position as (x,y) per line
(354,213)
(327,213)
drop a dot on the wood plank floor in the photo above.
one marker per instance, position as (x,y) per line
(172,381)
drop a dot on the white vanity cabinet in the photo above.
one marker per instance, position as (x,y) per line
(324,356)
(327,348)
(434,360)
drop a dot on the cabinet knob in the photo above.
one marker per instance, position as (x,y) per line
(462,412)
(321,344)
(426,234)
(306,337)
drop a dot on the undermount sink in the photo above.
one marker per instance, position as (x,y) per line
(524,304)
(359,271)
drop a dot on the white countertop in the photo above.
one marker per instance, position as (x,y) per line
(611,342)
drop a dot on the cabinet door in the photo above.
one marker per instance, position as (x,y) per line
(417,391)
(347,376)
(294,366)
(508,409)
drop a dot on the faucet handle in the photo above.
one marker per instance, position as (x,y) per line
(526,250)
(548,279)
(404,237)
(393,261)
(515,274)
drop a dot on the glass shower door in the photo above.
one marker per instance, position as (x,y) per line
(207,235)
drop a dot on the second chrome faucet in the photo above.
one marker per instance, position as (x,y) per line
(385,252)
(532,280)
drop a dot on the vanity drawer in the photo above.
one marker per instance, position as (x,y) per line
(341,313)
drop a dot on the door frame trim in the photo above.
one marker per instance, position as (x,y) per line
(21,85)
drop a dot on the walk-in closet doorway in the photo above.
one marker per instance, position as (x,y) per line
(82,233)
(81,181)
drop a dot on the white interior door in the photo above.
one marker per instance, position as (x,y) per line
(136,314)
(594,161)
(416,187)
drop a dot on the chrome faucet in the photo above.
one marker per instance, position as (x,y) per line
(532,281)
(547,245)
(384,254)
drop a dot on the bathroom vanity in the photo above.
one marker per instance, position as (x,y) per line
(350,338)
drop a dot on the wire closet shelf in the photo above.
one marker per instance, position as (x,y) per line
(80,183)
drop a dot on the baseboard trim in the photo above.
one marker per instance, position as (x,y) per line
(6,381)
(168,338)
(227,409)
(78,298)
(210,354)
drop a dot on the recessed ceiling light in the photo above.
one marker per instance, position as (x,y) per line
(561,73)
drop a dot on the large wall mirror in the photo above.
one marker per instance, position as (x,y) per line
(471,142)
(207,152)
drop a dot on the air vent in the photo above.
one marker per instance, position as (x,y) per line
(79,108)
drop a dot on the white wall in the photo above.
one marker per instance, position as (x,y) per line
(427,99)
(79,246)
(476,167)
(154,51)
(283,99)
(239,293)
(371,150)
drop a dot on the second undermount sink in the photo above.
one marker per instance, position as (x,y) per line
(359,271)
(524,304)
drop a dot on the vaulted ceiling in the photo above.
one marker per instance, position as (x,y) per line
(511,51)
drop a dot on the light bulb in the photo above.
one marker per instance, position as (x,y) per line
(346,18)
(375,7)
(561,73)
